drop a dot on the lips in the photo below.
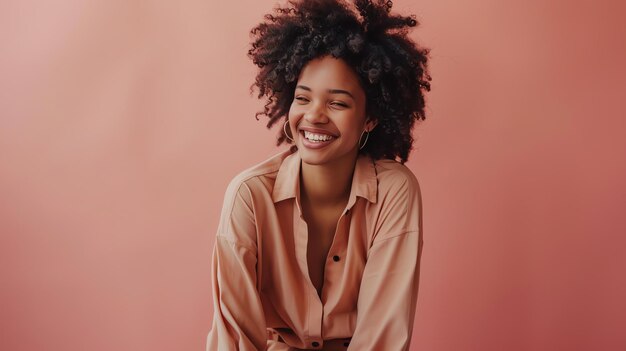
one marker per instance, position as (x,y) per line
(318,131)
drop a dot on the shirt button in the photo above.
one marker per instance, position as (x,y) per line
(315,344)
(336,258)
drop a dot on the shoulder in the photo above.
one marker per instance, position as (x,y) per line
(259,177)
(393,176)
(244,192)
(264,168)
(399,201)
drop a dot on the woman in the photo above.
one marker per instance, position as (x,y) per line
(318,247)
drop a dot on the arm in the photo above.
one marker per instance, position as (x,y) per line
(388,292)
(238,318)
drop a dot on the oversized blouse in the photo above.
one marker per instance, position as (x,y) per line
(263,298)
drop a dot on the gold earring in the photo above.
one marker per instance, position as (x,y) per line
(285,131)
(366,137)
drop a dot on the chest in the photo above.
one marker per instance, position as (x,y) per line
(321,228)
(320,237)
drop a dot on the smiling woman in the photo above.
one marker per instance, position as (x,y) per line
(319,246)
(328,113)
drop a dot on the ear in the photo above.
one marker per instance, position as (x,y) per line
(370,123)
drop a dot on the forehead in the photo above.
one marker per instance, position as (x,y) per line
(329,72)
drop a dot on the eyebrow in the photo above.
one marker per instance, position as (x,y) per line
(331,91)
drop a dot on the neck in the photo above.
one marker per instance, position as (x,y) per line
(327,185)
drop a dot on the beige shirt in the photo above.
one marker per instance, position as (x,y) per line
(263,297)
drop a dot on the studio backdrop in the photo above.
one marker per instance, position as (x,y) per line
(122,122)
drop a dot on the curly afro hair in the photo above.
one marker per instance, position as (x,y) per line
(392,69)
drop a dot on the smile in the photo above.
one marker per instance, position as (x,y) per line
(314,137)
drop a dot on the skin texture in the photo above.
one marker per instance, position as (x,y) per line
(328,97)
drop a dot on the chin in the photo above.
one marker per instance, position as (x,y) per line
(313,157)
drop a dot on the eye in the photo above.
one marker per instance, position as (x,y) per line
(301,99)
(338,104)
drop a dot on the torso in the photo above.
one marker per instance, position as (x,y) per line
(321,224)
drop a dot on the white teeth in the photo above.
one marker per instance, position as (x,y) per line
(316,137)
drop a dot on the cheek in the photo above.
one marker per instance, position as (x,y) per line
(294,115)
(352,129)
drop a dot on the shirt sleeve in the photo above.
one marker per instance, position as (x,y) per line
(238,318)
(388,292)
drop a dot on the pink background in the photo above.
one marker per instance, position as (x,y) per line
(121,123)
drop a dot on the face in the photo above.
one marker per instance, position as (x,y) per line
(327,115)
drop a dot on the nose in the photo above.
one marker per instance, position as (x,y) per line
(316,114)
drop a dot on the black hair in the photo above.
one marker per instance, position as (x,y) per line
(392,69)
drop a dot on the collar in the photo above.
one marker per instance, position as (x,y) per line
(364,182)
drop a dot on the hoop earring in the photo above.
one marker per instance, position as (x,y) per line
(366,137)
(285,131)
